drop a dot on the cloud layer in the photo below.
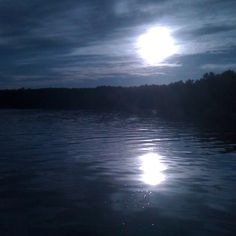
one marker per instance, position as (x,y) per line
(77,43)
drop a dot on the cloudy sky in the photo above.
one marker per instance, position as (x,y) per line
(86,43)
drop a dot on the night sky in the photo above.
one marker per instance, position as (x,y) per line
(76,43)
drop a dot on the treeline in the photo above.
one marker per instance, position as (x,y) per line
(211,97)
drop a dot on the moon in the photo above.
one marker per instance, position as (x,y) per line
(156,45)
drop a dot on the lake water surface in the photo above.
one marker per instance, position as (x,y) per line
(88,173)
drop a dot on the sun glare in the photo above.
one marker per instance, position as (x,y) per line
(152,168)
(156,45)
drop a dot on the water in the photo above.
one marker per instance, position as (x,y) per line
(87,173)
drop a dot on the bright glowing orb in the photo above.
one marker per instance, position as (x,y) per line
(156,45)
(152,168)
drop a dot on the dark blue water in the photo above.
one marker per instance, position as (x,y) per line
(87,173)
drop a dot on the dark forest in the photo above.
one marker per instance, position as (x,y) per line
(212,98)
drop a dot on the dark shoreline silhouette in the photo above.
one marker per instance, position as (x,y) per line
(211,98)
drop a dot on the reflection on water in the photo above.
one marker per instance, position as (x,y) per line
(87,173)
(152,168)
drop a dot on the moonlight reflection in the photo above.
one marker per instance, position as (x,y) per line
(152,168)
(156,45)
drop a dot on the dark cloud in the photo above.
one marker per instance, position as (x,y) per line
(87,43)
(205,30)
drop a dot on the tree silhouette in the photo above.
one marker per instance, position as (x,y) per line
(212,98)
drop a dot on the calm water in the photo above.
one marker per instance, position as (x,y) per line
(76,173)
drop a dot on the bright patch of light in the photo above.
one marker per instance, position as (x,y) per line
(152,168)
(156,45)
